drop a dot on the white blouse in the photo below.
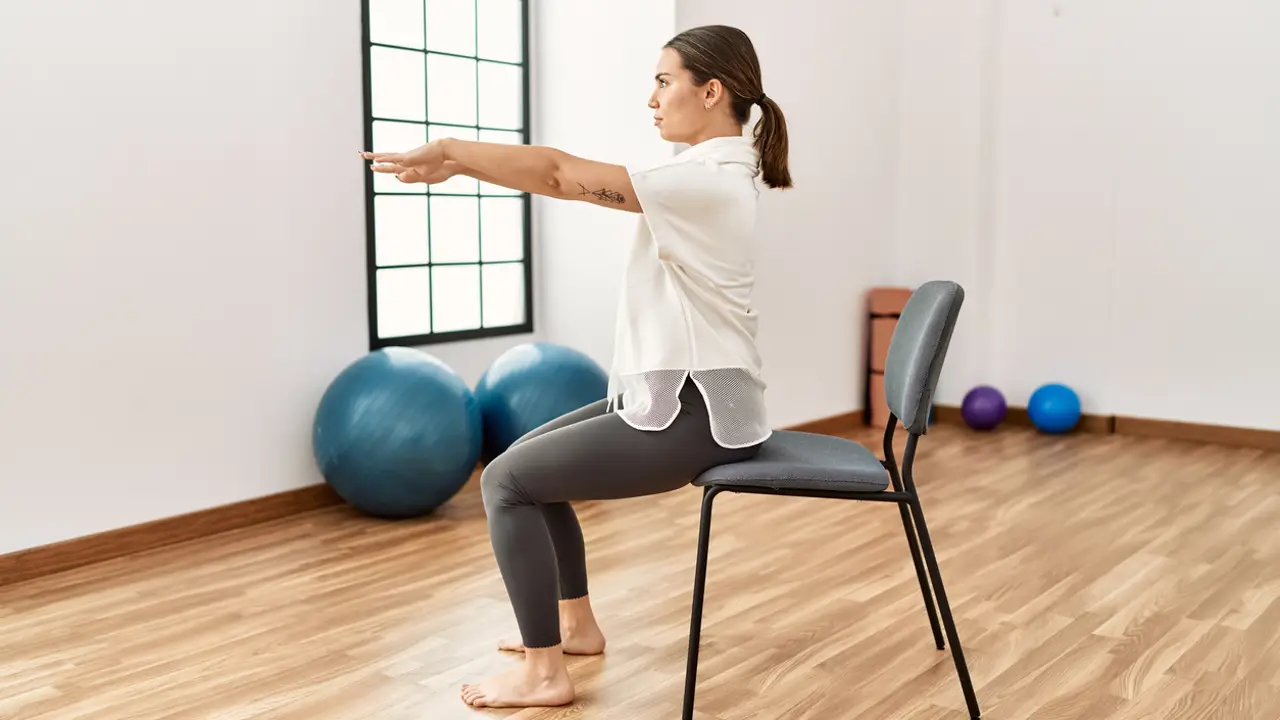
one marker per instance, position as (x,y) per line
(685,306)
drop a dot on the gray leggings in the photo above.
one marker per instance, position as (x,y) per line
(587,454)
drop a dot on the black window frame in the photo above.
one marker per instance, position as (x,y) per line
(371,264)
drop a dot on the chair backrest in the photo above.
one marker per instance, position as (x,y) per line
(918,349)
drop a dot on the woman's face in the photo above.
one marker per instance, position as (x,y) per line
(680,107)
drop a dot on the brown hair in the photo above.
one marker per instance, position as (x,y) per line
(726,54)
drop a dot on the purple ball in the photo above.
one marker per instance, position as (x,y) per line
(983,408)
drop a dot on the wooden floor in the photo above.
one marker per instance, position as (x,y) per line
(1092,577)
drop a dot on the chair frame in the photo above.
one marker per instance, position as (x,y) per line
(908,500)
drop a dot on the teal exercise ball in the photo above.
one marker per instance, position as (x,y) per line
(397,433)
(530,385)
(1054,408)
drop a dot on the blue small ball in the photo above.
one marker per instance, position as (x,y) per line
(1054,408)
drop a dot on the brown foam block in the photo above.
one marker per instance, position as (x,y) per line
(879,415)
(887,300)
(881,336)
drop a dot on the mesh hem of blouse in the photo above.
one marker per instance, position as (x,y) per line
(734,398)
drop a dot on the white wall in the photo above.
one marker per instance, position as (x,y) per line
(1097,173)
(1196,212)
(183,263)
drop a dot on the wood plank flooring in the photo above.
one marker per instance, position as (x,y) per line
(1092,577)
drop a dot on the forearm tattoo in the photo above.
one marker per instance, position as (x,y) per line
(603,194)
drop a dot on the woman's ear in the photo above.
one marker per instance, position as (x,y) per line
(713,93)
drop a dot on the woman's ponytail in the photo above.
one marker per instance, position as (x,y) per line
(771,143)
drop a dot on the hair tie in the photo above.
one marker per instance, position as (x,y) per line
(760,100)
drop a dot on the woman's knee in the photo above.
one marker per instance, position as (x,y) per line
(498,484)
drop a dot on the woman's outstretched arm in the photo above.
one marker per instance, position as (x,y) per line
(546,171)
(532,169)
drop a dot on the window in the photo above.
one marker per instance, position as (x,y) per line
(449,261)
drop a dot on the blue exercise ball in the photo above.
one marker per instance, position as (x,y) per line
(1054,408)
(397,433)
(530,385)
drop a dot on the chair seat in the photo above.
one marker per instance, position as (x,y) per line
(791,460)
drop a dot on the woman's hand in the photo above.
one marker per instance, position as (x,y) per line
(386,163)
(416,175)
(426,157)
(425,164)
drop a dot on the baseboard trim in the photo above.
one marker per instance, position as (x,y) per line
(90,549)
(1197,432)
(1141,427)
(833,425)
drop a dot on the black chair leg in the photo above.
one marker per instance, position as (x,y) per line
(924,581)
(699,590)
(962,668)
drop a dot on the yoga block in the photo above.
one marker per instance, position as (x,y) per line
(888,300)
(881,335)
(879,416)
(884,305)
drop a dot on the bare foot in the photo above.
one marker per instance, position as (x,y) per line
(580,634)
(542,680)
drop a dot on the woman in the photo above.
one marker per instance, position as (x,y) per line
(685,358)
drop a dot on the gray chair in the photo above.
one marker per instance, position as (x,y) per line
(820,466)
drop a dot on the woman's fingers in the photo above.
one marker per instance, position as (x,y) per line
(404,174)
(394,158)
(392,164)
